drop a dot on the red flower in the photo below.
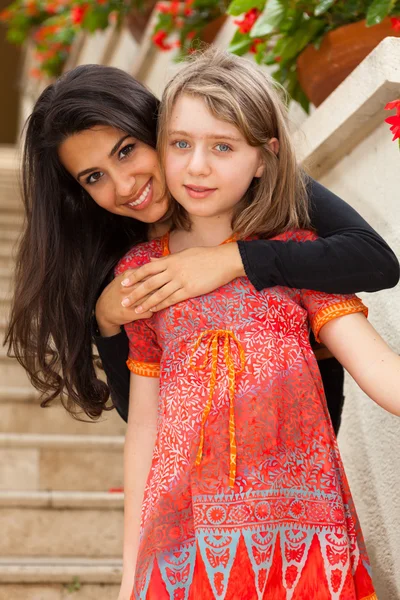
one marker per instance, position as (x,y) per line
(36,73)
(5,14)
(254,45)
(394,104)
(78,13)
(163,8)
(395,21)
(395,126)
(159,40)
(174,7)
(248,21)
(394,120)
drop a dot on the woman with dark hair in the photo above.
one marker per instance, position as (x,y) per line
(92,188)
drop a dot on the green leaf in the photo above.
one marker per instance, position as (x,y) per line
(238,7)
(378,10)
(289,47)
(323,6)
(241,47)
(269,20)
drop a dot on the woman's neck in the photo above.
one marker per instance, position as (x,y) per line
(203,232)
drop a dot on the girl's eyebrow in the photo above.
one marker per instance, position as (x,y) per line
(213,136)
(113,151)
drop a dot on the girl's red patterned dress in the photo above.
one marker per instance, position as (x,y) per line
(247,496)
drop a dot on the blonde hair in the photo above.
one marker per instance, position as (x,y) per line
(238,92)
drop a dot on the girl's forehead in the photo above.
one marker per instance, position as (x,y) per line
(190,115)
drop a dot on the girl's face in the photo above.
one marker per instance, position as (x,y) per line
(120,173)
(208,163)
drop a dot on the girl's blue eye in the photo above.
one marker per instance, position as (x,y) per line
(94,177)
(223,147)
(126,150)
(181,145)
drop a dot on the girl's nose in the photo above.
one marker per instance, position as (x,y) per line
(198,164)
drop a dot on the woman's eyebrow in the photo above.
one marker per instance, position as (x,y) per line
(113,151)
(213,136)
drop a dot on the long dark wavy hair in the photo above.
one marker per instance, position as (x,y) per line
(70,245)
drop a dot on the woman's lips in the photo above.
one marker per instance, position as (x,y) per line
(199,191)
(144,199)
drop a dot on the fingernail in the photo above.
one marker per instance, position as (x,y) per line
(139,309)
(125,282)
(125,302)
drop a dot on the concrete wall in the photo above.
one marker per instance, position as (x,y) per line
(369,179)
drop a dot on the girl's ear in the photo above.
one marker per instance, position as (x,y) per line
(273,145)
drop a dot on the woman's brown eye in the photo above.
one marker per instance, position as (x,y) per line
(126,150)
(94,177)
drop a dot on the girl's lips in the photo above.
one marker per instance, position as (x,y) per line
(199,192)
(147,200)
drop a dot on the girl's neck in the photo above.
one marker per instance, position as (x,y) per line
(203,232)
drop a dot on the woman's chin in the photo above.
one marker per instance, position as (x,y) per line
(152,213)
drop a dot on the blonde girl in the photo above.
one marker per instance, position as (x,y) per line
(237,478)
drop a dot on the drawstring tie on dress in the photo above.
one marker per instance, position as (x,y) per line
(212,349)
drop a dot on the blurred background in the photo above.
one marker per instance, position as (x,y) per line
(60,480)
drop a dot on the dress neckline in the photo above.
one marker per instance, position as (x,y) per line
(165,242)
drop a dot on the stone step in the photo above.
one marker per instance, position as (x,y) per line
(11,372)
(10,221)
(60,462)
(29,578)
(21,413)
(5,299)
(10,235)
(6,278)
(61,524)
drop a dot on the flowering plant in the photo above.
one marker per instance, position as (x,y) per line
(394,120)
(275,31)
(53,25)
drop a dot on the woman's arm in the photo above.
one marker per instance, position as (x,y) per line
(139,445)
(349,257)
(367,357)
(112,342)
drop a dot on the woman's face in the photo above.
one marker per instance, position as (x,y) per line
(120,173)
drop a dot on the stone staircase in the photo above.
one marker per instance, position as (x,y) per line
(61,526)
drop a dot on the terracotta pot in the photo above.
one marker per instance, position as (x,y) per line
(137,20)
(213,28)
(321,71)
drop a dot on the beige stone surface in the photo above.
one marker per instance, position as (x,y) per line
(19,468)
(353,110)
(58,592)
(31,418)
(31,592)
(49,532)
(369,179)
(84,470)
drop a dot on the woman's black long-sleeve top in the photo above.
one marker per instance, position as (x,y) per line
(348,257)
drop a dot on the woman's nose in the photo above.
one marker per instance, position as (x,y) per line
(125,186)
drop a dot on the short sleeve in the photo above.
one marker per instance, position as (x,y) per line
(322,308)
(144,352)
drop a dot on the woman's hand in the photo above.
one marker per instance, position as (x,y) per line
(110,313)
(177,277)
